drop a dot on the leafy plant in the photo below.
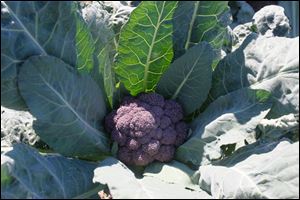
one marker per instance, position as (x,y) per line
(69,66)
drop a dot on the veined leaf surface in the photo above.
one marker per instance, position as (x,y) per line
(230,119)
(102,36)
(264,171)
(85,46)
(265,63)
(69,107)
(188,79)
(173,172)
(196,21)
(33,28)
(123,184)
(29,175)
(145,46)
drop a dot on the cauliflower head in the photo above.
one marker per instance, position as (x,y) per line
(147,128)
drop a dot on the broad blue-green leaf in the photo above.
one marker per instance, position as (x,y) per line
(69,107)
(29,175)
(188,78)
(85,47)
(267,173)
(196,21)
(33,28)
(231,119)
(10,96)
(145,46)
(173,173)
(274,129)
(123,184)
(265,63)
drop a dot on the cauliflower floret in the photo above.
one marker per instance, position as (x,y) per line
(147,128)
(167,153)
(156,133)
(127,100)
(145,139)
(152,147)
(118,137)
(143,121)
(122,124)
(182,132)
(125,155)
(141,158)
(133,144)
(169,136)
(157,111)
(173,110)
(165,122)
(152,99)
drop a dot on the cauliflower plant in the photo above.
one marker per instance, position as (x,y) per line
(147,128)
(271,21)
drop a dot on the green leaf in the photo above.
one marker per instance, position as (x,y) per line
(123,184)
(188,79)
(267,173)
(103,39)
(230,119)
(85,47)
(10,96)
(105,68)
(33,28)
(33,176)
(69,107)
(145,46)
(265,63)
(196,21)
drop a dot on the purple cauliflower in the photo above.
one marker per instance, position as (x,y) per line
(147,128)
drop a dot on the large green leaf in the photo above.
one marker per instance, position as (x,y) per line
(105,50)
(85,46)
(105,67)
(123,184)
(188,79)
(97,22)
(265,63)
(231,119)
(69,107)
(145,46)
(196,21)
(264,172)
(33,28)
(29,175)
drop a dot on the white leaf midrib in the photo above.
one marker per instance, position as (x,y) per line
(151,46)
(72,109)
(191,25)
(24,28)
(185,78)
